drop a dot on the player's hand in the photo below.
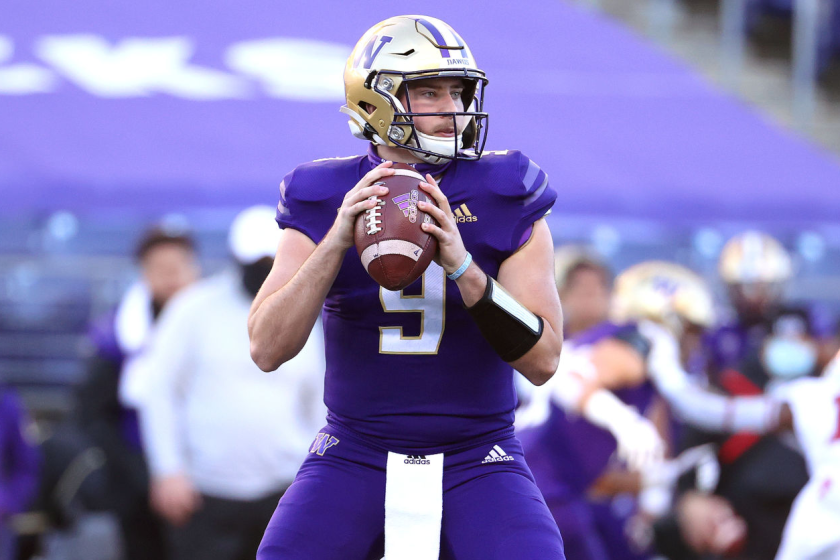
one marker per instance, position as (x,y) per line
(451,250)
(639,445)
(174,498)
(356,201)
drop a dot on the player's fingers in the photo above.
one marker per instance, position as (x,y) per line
(361,206)
(439,215)
(367,192)
(364,194)
(384,169)
(436,193)
(441,235)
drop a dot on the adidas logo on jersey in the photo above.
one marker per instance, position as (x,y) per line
(463,215)
(497,455)
(416,460)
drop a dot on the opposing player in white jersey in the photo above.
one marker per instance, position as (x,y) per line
(812,531)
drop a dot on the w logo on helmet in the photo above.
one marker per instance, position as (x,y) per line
(665,286)
(367,55)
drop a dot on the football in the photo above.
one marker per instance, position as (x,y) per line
(393,247)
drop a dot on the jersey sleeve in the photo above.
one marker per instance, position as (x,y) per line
(536,199)
(298,211)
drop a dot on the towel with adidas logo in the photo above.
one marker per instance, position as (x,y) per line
(413,506)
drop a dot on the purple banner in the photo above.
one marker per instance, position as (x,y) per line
(156,106)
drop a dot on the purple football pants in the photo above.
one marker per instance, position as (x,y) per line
(335,509)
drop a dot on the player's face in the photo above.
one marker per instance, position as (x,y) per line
(167,268)
(755,300)
(585,298)
(437,95)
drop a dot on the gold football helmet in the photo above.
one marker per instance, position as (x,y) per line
(385,61)
(665,293)
(754,257)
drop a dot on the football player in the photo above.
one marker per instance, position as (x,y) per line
(755,268)
(811,531)
(607,379)
(418,458)
(767,342)
(810,407)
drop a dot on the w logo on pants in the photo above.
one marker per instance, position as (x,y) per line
(322,443)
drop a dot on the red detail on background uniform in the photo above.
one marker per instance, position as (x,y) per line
(736,383)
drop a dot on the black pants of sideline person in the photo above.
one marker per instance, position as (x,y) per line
(223,529)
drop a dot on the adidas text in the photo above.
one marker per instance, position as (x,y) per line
(497,459)
(497,455)
(416,460)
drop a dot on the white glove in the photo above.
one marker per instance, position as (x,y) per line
(639,443)
(663,362)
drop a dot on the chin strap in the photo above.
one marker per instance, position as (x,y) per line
(445,146)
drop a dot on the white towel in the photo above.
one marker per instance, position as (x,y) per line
(413,506)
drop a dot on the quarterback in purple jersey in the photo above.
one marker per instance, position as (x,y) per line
(418,459)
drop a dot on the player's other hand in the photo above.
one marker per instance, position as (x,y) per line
(451,250)
(639,444)
(174,498)
(356,201)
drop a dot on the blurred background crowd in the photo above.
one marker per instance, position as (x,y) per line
(136,135)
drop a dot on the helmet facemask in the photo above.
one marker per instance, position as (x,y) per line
(468,144)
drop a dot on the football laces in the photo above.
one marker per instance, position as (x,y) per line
(373,216)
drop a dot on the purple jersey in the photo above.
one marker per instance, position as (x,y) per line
(21,459)
(729,346)
(102,335)
(566,452)
(410,368)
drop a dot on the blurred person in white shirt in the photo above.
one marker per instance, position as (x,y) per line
(223,438)
(168,262)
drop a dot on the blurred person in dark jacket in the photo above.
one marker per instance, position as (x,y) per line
(18,469)
(168,263)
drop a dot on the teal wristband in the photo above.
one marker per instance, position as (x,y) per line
(463,268)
